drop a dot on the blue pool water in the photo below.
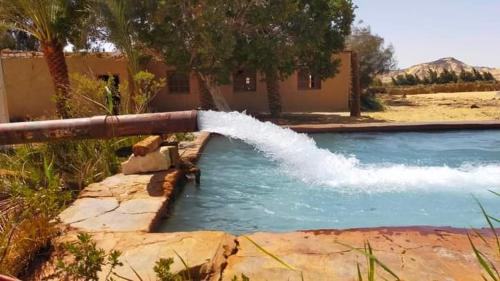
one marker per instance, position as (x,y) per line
(360,180)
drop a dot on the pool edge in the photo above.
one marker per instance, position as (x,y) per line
(396,126)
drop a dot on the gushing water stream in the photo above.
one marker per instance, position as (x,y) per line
(300,157)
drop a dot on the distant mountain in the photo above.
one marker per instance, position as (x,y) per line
(439,65)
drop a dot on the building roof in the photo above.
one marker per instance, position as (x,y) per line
(7,53)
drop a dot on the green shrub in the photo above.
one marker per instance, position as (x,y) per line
(87,261)
(444,88)
(98,97)
(162,270)
(147,88)
(370,102)
(30,198)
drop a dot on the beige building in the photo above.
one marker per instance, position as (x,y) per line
(26,88)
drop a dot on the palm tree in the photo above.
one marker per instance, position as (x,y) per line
(121,20)
(273,92)
(54,23)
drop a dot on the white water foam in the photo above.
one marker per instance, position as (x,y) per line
(300,157)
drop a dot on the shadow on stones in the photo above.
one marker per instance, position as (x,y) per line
(156,184)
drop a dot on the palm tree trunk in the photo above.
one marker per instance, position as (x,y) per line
(273,93)
(54,56)
(206,101)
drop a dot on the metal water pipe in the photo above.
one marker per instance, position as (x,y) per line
(99,127)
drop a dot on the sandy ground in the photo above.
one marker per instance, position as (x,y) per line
(439,107)
(412,108)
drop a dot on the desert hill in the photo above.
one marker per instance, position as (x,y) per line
(439,65)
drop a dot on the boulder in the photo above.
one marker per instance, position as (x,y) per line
(158,160)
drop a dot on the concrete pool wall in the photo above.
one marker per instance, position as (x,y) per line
(122,213)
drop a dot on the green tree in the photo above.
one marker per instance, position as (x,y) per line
(466,76)
(54,23)
(433,76)
(199,36)
(401,80)
(121,22)
(454,76)
(374,56)
(446,77)
(488,76)
(477,75)
(213,38)
(284,36)
(410,79)
(426,80)
(17,40)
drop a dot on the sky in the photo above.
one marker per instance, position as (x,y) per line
(426,30)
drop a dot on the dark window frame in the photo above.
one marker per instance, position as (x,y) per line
(308,81)
(245,80)
(178,83)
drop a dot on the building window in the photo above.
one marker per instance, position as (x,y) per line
(308,81)
(178,83)
(245,81)
(107,77)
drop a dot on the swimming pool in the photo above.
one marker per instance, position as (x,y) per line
(396,179)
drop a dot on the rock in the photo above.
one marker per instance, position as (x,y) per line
(107,214)
(205,252)
(147,145)
(413,254)
(86,208)
(474,106)
(158,160)
(117,222)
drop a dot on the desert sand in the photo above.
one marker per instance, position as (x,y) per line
(411,108)
(440,107)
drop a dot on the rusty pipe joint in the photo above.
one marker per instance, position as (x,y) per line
(99,127)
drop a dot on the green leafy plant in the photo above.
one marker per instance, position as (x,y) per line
(30,198)
(97,97)
(87,261)
(371,262)
(164,273)
(276,258)
(147,87)
(370,102)
(484,261)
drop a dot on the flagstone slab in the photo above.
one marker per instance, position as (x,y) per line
(87,208)
(411,253)
(122,203)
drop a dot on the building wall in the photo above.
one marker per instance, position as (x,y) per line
(333,95)
(29,87)
(4,110)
